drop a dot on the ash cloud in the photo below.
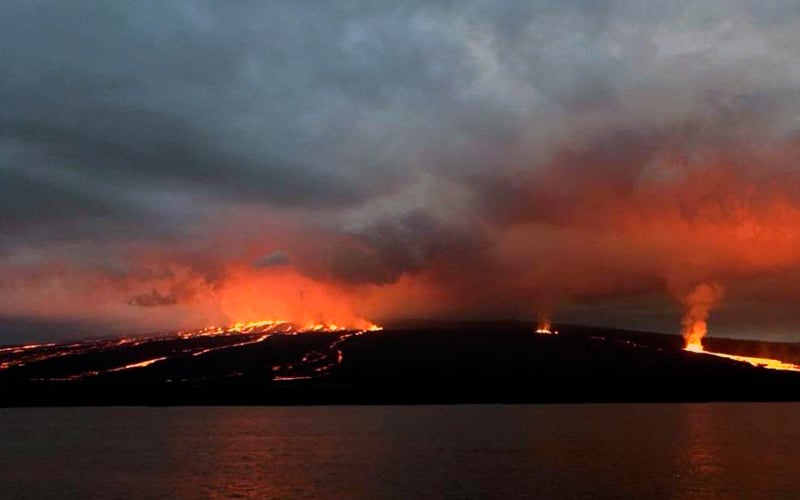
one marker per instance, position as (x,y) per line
(275,258)
(153,299)
(449,158)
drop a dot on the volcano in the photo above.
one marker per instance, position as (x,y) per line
(406,363)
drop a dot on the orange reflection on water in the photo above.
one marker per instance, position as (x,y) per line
(700,470)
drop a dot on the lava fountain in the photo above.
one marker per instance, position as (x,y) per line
(545,327)
(698,308)
(699,303)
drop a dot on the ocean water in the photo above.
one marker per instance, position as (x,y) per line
(416,452)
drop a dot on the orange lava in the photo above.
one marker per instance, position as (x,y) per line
(280,326)
(772,364)
(694,334)
(545,328)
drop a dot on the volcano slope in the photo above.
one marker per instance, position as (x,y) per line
(406,363)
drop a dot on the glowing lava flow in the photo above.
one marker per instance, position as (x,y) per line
(695,328)
(699,304)
(317,363)
(186,345)
(545,328)
(772,364)
(277,326)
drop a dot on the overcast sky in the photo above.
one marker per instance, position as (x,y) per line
(175,164)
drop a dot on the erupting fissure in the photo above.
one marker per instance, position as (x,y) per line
(545,327)
(280,326)
(699,304)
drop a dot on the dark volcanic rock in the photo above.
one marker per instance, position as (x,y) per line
(498,362)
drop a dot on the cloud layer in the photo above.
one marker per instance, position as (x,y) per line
(169,165)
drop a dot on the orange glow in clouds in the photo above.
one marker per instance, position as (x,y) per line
(253,299)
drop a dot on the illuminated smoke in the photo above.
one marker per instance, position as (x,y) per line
(699,303)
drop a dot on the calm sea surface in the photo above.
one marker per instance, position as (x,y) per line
(582,451)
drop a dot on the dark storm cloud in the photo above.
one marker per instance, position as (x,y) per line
(382,251)
(241,102)
(288,105)
(275,258)
(153,299)
(478,143)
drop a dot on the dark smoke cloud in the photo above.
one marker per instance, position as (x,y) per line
(153,299)
(272,259)
(453,158)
